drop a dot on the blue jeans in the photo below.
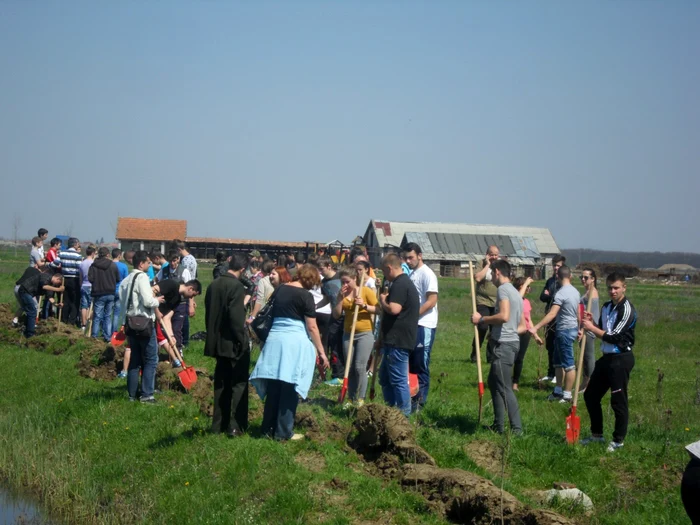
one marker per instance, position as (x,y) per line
(102,309)
(85,298)
(564,349)
(28,304)
(393,377)
(281,402)
(419,364)
(116,311)
(144,354)
(186,326)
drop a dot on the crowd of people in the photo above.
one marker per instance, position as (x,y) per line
(315,307)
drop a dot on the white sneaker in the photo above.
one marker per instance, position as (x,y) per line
(553,380)
(360,403)
(296,437)
(544,379)
(565,400)
(15,322)
(614,445)
(592,439)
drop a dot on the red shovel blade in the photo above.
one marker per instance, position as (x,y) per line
(413,385)
(188,376)
(118,338)
(343,391)
(573,427)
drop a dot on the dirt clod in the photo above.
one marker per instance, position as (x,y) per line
(487,455)
(381,430)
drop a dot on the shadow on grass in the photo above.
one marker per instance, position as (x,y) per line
(117,391)
(460,423)
(254,431)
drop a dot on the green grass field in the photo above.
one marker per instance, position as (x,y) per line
(90,456)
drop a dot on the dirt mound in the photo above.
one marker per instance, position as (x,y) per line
(383,431)
(320,432)
(385,438)
(100,361)
(486,455)
(203,393)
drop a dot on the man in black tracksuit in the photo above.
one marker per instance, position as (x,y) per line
(615,328)
(551,288)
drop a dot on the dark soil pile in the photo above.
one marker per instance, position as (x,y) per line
(101,361)
(382,432)
(385,438)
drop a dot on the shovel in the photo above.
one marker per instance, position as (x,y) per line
(118,338)
(348,358)
(477,344)
(88,325)
(573,421)
(188,375)
(58,317)
(377,356)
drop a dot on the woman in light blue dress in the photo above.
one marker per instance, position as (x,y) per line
(286,365)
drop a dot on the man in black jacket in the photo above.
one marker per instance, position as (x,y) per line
(33,284)
(103,275)
(615,328)
(226,341)
(551,288)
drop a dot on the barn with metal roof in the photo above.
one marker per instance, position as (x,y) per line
(448,248)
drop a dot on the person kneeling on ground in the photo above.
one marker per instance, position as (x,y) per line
(227,342)
(401,306)
(285,368)
(612,371)
(506,323)
(137,300)
(34,283)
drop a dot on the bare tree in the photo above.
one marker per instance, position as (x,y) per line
(16,224)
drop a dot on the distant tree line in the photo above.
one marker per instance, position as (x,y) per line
(577,256)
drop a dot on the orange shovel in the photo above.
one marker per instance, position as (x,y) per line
(477,343)
(573,422)
(188,375)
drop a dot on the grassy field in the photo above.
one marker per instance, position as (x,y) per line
(91,457)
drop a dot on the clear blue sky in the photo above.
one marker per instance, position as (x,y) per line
(303,120)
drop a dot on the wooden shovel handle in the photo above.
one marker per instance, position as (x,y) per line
(579,370)
(348,358)
(477,343)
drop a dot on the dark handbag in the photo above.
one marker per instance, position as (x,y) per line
(262,323)
(137,325)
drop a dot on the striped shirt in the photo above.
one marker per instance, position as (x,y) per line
(69,260)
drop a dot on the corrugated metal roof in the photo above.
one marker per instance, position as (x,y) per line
(520,251)
(389,232)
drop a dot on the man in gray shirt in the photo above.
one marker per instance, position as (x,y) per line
(565,309)
(506,323)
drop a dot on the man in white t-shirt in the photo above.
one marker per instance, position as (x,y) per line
(425,281)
